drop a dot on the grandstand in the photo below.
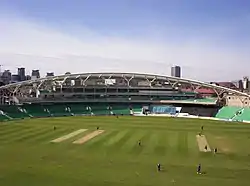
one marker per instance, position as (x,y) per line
(234,113)
(116,94)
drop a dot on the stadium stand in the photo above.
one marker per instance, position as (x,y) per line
(121,111)
(118,94)
(8,112)
(61,109)
(14,111)
(200,111)
(36,110)
(234,113)
(242,115)
(77,108)
(137,108)
(99,110)
(3,117)
(58,110)
(227,112)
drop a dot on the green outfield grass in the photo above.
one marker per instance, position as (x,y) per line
(27,156)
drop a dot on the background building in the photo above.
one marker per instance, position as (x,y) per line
(28,77)
(245,83)
(35,74)
(6,77)
(176,71)
(50,74)
(21,74)
(15,78)
(240,85)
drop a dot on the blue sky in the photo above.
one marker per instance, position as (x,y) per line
(211,36)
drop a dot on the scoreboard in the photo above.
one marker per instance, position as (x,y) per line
(163,109)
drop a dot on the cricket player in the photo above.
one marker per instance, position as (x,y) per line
(139,142)
(159,167)
(201,129)
(215,150)
(199,169)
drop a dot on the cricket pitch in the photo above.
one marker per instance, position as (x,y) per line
(202,143)
(68,136)
(88,137)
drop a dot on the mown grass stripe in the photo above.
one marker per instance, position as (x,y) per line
(12,129)
(6,126)
(29,135)
(162,144)
(135,149)
(150,142)
(99,141)
(18,133)
(119,144)
(182,146)
(116,138)
(46,137)
(112,147)
(192,143)
(172,139)
(134,139)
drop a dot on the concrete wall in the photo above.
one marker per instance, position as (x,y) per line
(235,101)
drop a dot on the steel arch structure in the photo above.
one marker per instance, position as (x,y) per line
(126,80)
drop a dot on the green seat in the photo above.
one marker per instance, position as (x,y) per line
(137,109)
(125,111)
(3,118)
(100,109)
(227,112)
(36,110)
(67,109)
(14,111)
(243,114)
(58,110)
(78,108)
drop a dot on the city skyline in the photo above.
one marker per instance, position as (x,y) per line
(35,73)
(209,40)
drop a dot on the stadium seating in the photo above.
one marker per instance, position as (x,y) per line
(3,117)
(58,110)
(234,113)
(66,109)
(200,111)
(137,108)
(99,109)
(242,115)
(36,110)
(121,110)
(14,111)
(227,112)
(78,108)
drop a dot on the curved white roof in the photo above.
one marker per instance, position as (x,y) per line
(126,75)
